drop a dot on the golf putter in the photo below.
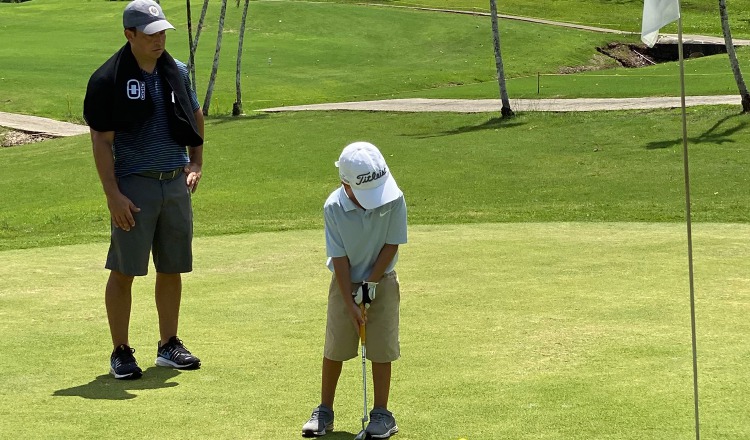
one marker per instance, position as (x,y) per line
(363,435)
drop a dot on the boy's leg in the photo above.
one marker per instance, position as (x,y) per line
(381,381)
(330,378)
(118,300)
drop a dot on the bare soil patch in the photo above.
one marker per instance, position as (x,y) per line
(13,138)
(627,55)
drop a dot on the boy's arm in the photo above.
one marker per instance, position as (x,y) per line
(385,257)
(343,278)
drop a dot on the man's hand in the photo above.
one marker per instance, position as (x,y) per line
(193,173)
(121,210)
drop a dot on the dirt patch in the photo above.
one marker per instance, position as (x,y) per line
(13,138)
(627,55)
(639,55)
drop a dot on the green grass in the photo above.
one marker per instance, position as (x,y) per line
(273,173)
(699,17)
(703,76)
(545,290)
(327,52)
(521,331)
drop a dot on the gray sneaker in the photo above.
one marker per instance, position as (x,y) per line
(320,420)
(382,424)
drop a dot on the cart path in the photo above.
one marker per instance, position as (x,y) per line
(51,127)
(37,124)
(522,105)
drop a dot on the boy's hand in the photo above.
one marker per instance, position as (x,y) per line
(365,293)
(358,319)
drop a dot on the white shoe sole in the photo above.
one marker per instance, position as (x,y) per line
(161,362)
(124,376)
(390,432)
(310,433)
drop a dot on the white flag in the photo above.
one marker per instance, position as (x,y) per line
(657,14)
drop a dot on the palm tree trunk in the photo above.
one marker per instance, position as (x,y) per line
(191,59)
(729,43)
(215,68)
(194,43)
(237,107)
(505,111)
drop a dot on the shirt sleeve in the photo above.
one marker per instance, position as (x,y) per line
(397,227)
(334,242)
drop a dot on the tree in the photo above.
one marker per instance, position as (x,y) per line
(237,107)
(193,44)
(505,110)
(729,43)
(215,68)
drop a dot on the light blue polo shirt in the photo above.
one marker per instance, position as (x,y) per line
(360,234)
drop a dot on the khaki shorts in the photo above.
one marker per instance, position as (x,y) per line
(342,339)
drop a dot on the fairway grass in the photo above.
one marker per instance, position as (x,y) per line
(273,172)
(515,331)
(308,52)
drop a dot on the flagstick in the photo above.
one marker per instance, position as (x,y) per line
(689,227)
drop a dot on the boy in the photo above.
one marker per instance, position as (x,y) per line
(365,222)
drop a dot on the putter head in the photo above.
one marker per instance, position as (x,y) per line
(363,435)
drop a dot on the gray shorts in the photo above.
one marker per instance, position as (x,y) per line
(164,227)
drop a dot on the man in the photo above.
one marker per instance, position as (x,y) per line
(365,222)
(142,113)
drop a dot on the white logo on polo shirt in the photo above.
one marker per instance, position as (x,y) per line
(136,89)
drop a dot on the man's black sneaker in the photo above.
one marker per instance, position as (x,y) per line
(122,364)
(174,354)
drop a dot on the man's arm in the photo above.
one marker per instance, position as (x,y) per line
(193,169)
(120,207)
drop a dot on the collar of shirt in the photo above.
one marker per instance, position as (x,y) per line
(345,201)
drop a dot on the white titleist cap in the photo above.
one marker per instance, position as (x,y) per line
(146,16)
(362,167)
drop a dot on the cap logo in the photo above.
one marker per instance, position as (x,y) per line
(369,177)
(153,11)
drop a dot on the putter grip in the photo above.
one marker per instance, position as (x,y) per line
(362,337)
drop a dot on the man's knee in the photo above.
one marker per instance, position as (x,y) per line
(120,278)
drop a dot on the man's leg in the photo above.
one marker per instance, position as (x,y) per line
(168,293)
(330,378)
(118,299)
(381,381)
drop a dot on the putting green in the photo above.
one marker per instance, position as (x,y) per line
(523,331)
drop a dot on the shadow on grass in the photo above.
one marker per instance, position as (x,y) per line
(341,435)
(491,124)
(107,387)
(223,119)
(711,135)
